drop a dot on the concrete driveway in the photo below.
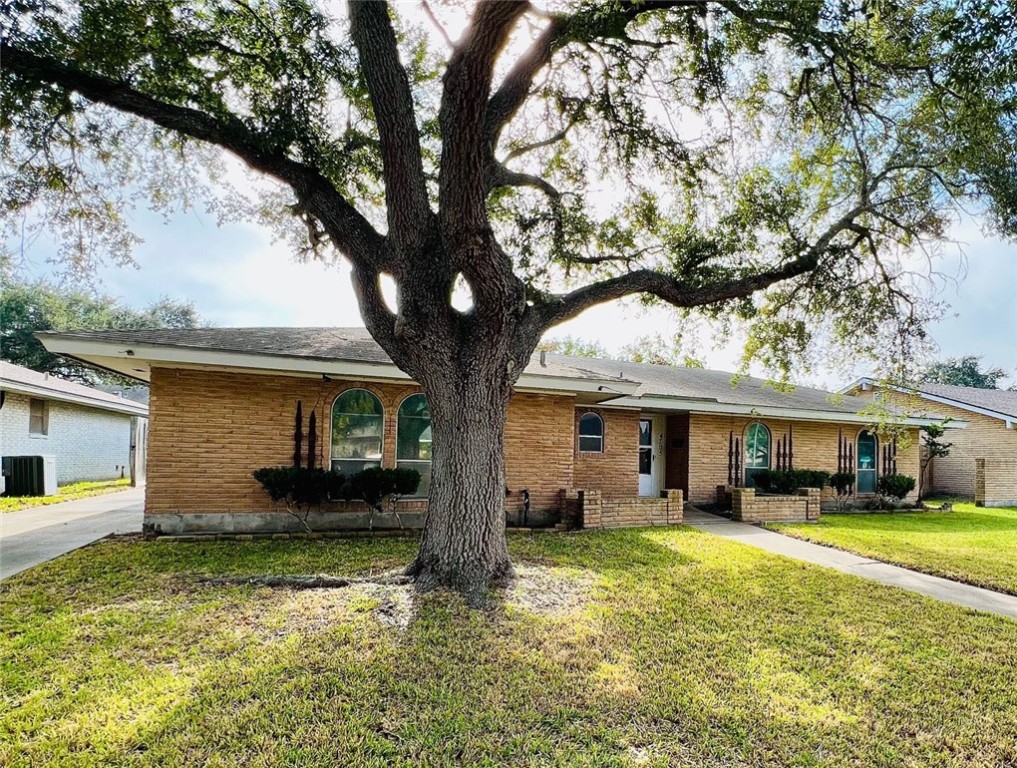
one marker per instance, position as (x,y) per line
(35,535)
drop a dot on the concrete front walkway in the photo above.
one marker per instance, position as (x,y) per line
(32,536)
(846,562)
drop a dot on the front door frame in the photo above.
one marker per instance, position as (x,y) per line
(650,485)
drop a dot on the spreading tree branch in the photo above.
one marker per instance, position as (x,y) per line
(351,233)
(582,27)
(688,292)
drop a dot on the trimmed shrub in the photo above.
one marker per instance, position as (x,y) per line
(895,486)
(376,484)
(842,482)
(302,487)
(298,486)
(788,481)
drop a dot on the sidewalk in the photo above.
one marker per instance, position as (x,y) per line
(32,536)
(846,562)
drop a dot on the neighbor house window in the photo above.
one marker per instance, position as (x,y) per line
(757,451)
(358,428)
(413,440)
(591,433)
(38,417)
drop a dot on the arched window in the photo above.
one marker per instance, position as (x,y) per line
(358,429)
(757,451)
(591,433)
(865,482)
(413,440)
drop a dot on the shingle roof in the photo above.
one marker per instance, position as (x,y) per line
(352,344)
(718,386)
(16,378)
(355,344)
(998,400)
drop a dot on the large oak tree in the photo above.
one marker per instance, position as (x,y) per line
(788,163)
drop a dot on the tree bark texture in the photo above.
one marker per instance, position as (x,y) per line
(463,544)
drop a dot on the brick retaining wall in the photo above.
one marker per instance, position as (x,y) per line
(747,507)
(598,512)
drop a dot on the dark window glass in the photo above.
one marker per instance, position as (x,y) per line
(413,440)
(645,447)
(591,433)
(757,451)
(866,477)
(358,428)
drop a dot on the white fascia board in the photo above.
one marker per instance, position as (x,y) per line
(760,411)
(168,357)
(127,406)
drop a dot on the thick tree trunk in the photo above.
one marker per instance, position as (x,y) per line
(463,544)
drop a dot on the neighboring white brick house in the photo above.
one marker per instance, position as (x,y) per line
(88,431)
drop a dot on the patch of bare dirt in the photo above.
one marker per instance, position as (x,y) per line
(317,610)
(549,591)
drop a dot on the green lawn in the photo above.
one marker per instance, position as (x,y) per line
(643,648)
(970,544)
(64,493)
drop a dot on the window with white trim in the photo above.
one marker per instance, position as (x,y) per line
(413,440)
(38,417)
(358,430)
(591,433)
(757,451)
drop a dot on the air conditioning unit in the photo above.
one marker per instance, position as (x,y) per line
(30,475)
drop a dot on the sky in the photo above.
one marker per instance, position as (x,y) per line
(237,276)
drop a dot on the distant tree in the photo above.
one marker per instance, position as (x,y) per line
(963,372)
(572,346)
(658,351)
(29,307)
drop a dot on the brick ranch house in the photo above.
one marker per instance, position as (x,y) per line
(990,437)
(223,403)
(91,434)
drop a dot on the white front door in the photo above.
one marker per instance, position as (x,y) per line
(651,455)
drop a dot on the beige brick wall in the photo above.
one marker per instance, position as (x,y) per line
(598,512)
(615,472)
(996,482)
(539,449)
(984,437)
(747,507)
(210,430)
(815,447)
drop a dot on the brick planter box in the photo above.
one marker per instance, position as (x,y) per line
(593,511)
(748,507)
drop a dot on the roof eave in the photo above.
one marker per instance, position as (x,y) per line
(759,411)
(125,359)
(129,407)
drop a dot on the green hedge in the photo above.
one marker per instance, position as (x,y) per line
(304,487)
(842,482)
(895,486)
(789,480)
